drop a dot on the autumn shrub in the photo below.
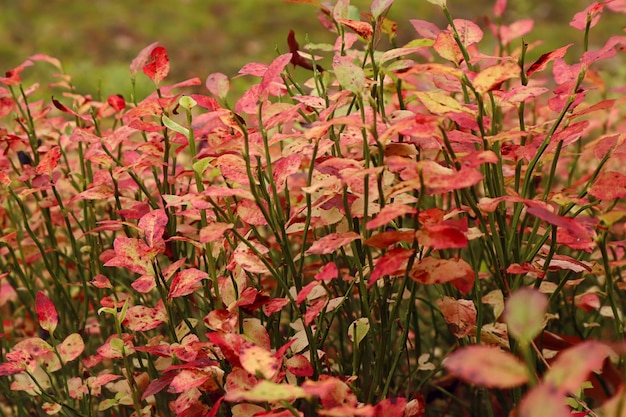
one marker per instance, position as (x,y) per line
(432,229)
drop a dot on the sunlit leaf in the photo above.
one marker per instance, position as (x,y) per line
(258,361)
(266,391)
(492,77)
(487,366)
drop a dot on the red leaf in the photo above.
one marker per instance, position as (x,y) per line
(299,365)
(579,233)
(609,185)
(13,76)
(390,407)
(314,310)
(214,231)
(363,29)
(67,110)
(275,305)
(117,102)
(487,366)
(328,272)
(158,385)
(459,314)
(379,7)
(332,242)
(284,168)
(186,282)
(153,226)
(385,239)
(591,13)
(158,65)
(436,271)
(46,313)
(543,400)
(388,213)
(305,291)
(499,8)
(545,59)
(447,235)
(141,59)
(49,161)
(392,262)
(273,71)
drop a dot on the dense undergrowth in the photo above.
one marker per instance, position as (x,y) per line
(432,229)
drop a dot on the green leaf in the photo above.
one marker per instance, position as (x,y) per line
(350,76)
(200,166)
(172,125)
(187,102)
(525,314)
(358,329)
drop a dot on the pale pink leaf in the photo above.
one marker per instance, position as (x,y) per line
(379,7)
(153,226)
(487,366)
(499,7)
(188,379)
(572,367)
(218,84)
(543,400)
(332,242)
(71,348)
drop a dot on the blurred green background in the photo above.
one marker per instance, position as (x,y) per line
(97,39)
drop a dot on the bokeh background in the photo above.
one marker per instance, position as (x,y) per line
(97,39)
